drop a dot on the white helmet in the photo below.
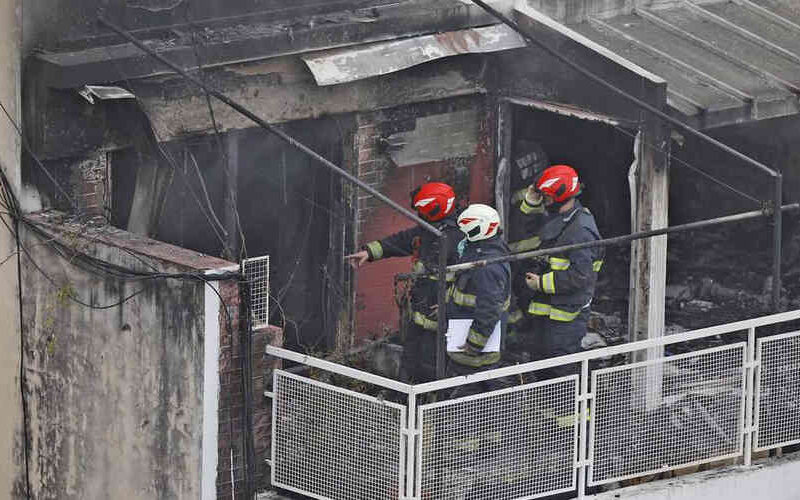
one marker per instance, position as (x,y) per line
(479,222)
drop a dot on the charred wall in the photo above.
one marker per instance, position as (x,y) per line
(51,24)
(379,141)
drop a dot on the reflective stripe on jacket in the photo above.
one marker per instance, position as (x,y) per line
(568,283)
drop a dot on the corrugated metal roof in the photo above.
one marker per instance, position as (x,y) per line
(723,62)
(381,58)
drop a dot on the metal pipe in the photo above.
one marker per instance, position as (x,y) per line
(777,238)
(616,240)
(674,121)
(370,378)
(441,316)
(275,130)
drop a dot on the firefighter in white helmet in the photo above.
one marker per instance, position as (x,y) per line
(481,294)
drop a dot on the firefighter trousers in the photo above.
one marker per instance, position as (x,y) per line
(418,363)
(558,338)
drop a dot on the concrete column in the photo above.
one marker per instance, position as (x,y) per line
(12,437)
(147,197)
(649,256)
(504,123)
(231,160)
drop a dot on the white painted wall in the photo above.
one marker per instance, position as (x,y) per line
(775,479)
(11,450)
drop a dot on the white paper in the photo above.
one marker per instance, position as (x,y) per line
(458,330)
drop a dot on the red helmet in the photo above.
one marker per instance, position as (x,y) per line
(434,200)
(560,182)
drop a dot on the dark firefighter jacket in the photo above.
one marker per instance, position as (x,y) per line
(424,249)
(568,279)
(481,294)
(524,224)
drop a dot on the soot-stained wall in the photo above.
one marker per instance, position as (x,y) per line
(115,395)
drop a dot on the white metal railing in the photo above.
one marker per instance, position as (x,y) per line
(532,440)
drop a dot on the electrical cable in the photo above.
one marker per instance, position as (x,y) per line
(171,161)
(692,167)
(29,150)
(220,144)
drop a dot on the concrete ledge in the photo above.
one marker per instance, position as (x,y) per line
(773,479)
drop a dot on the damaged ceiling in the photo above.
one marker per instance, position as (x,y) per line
(723,62)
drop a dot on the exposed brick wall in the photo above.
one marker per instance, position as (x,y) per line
(472,177)
(91,185)
(231,409)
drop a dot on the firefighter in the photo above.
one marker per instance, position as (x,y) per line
(480,294)
(563,288)
(523,226)
(435,203)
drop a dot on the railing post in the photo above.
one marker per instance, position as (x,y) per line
(750,371)
(411,451)
(583,441)
(776,242)
(441,309)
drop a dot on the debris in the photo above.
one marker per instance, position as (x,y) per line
(593,341)
(89,92)
(699,306)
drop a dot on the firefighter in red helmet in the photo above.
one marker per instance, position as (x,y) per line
(561,287)
(435,203)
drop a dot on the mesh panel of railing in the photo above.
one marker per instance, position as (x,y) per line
(334,443)
(778,390)
(256,270)
(512,443)
(664,414)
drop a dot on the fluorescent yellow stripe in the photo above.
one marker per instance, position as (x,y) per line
(463,299)
(425,322)
(525,245)
(475,360)
(375,249)
(549,283)
(560,315)
(476,338)
(559,264)
(539,309)
(565,421)
(526,208)
(597,265)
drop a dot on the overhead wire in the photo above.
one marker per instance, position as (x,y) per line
(220,143)
(688,165)
(38,162)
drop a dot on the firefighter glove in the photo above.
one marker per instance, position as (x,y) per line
(534,281)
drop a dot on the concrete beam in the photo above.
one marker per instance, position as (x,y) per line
(775,479)
(649,257)
(283,90)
